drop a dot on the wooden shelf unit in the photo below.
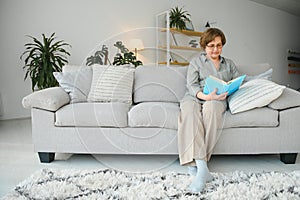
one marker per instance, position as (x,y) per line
(164,41)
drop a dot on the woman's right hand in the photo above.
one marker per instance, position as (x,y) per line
(212,96)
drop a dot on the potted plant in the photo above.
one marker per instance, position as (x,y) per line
(179,18)
(98,57)
(42,58)
(125,57)
(121,58)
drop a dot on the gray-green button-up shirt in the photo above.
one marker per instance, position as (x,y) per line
(200,68)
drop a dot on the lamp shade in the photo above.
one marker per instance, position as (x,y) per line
(136,44)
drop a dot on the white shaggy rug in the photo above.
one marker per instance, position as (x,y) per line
(111,184)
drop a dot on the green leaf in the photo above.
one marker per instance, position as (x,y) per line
(127,57)
(99,57)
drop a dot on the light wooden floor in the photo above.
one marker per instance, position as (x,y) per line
(18,161)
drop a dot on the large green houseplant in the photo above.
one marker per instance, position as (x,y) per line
(179,18)
(42,58)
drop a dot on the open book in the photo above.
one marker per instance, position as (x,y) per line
(212,82)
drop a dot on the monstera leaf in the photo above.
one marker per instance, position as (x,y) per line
(98,57)
(125,57)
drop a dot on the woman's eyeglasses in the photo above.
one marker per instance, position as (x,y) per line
(212,46)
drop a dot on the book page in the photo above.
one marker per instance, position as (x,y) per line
(217,79)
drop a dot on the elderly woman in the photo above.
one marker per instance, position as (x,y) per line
(201,116)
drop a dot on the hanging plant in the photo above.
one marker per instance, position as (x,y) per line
(178,18)
(42,59)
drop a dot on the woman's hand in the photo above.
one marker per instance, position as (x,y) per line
(212,96)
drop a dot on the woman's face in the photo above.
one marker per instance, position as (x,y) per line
(214,48)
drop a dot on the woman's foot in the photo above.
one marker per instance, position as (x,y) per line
(192,170)
(202,177)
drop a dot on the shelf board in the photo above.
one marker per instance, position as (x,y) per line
(175,63)
(185,48)
(185,32)
(181,48)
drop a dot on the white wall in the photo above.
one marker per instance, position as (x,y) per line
(255,34)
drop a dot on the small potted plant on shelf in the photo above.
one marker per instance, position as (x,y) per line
(42,59)
(179,18)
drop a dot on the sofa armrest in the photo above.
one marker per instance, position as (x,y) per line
(290,98)
(48,99)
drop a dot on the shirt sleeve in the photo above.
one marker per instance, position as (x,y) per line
(193,83)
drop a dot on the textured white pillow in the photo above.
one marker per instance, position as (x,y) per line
(112,84)
(76,83)
(253,94)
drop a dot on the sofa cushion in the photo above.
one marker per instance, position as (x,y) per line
(159,84)
(289,98)
(111,84)
(93,114)
(48,99)
(76,83)
(154,114)
(253,94)
(259,117)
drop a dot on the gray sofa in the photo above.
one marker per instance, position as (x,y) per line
(149,124)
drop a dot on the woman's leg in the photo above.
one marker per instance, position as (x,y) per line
(190,133)
(213,120)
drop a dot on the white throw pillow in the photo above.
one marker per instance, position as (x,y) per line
(253,94)
(112,84)
(76,83)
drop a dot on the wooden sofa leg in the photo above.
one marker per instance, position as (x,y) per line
(46,157)
(288,158)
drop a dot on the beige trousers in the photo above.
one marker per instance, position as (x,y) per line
(199,127)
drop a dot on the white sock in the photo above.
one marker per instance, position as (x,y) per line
(203,175)
(192,170)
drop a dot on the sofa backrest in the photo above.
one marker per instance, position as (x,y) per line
(156,83)
(168,84)
(159,83)
(254,69)
(71,68)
